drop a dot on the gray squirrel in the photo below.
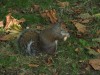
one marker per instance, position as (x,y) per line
(32,42)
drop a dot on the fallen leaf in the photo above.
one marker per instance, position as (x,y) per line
(40,27)
(21,20)
(48,61)
(73,21)
(84,18)
(8,37)
(12,21)
(50,14)
(63,4)
(12,27)
(33,65)
(95,63)
(16,28)
(80,27)
(77,10)
(13,33)
(8,20)
(36,7)
(1,24)
(98,32)
(92,51)
(43,14)
(98,50)
(85,21)
(77,50)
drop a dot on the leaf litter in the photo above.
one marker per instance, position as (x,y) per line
(95,63)
(14,26)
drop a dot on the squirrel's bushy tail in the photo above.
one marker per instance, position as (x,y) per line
(27,42)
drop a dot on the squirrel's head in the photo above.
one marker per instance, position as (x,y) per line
(62,30)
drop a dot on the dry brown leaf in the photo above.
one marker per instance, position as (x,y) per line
(77,50)
(98,50)
(48,61)
(40,27)
(63,4)
(51,14)
(8,37)
(95,63)
(92,51)
(12,21)
(1,24)
(80,27)
(8,20)
(12,26)
(85,18)
(33,65)
(44,15)
(77,10)
(13,33)
(36,7)
(98,32)
(85,21)
(21,20)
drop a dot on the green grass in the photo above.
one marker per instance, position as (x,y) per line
(67,60)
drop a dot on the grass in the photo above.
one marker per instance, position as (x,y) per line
(67,61)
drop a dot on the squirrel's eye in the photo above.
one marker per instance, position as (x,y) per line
(66,27)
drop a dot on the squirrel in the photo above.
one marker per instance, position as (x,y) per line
(32,42)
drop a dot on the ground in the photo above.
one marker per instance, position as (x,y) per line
(72,56)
